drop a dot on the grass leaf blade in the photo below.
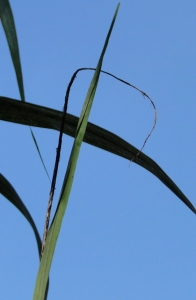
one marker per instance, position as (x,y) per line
(46,260)
(15,111)
(37,147)
(8,23)
(7,20)
(7,190)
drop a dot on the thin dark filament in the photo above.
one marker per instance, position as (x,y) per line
(143,94)
(52,189)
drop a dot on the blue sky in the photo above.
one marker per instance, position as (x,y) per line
(124,235)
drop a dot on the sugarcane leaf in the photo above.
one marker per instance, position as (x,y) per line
(7,190)
(51,240)
(14,111)
(7,20)
(38,150)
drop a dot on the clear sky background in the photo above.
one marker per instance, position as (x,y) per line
(124,235)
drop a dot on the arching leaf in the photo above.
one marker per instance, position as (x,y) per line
(30,114)
(7,190)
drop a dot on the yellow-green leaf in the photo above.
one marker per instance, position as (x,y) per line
(52,237)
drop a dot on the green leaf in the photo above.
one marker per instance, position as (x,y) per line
(7,190)
(43,117)
(15,111)
(7,20)
(51,240)
(37,147)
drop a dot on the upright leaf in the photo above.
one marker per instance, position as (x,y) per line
(51,240)
(7,20)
